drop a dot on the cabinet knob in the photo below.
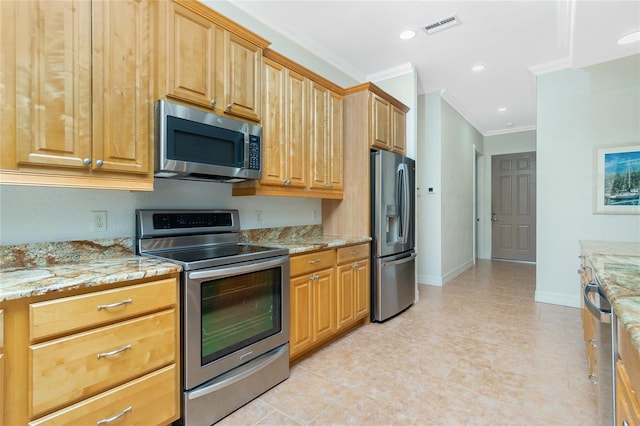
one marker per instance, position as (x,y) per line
(99,163)
(213,102)
(229,106)
(356,265)
(86,161)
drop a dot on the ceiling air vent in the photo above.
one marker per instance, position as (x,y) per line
(442,24)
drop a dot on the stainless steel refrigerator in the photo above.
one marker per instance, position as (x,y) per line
(393,277)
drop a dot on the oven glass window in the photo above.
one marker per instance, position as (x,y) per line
(238,311)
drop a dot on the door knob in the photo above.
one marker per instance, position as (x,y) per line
(493,217)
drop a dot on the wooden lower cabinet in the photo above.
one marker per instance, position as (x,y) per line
(312,294)
(627,401)
(94,356)
(353,284)
(143,401)
(329,295)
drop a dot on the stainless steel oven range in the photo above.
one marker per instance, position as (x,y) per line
(234,308)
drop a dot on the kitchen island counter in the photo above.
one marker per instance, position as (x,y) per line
(617,265)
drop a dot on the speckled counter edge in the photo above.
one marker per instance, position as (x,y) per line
(617,265)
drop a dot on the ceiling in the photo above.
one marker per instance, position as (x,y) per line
(515,40)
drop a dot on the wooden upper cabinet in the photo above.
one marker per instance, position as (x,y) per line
(380,122)
(53,84)
(302,140)
(325,140)
(81,108)
(122,93)
(207,60)
(399,130)
(189,56)
(283,126)
(242,71)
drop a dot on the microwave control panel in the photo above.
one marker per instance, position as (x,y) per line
(254,152)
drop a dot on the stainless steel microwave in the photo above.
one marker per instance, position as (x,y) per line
(198,145)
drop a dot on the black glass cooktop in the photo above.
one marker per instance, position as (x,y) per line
(214,252)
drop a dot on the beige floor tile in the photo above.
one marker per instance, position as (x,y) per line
(477,351)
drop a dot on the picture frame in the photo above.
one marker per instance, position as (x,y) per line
(617,179)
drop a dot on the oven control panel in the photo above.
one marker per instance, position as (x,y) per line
(191,220)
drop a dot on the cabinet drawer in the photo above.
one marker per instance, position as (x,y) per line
(305,263)
(152,399)
(72,368)
(348,254)
(70,314)
(627,403)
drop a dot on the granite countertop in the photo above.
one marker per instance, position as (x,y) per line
(28,270)
(617,265)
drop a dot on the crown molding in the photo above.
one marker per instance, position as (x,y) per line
(397,71)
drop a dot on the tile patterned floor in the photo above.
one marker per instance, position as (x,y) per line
(478,351)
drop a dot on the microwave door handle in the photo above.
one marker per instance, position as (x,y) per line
(246,150)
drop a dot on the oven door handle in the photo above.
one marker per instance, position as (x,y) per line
(223,272)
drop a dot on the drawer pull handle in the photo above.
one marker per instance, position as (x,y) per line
(117,351)
(314,261)
(114,418)
(115,305)
(353,253)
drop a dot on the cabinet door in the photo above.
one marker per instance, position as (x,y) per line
(334,147)
(301,332)
(324,323)
(345,296)
(242,61)
(318,135)
(53,83)
(362,285)
(273,131)
(121,86)
(380,122)
(190,56)
(399,121)
(296,128)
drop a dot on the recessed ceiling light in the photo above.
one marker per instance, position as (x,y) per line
(478,67)
(407,34)
(630,38)
(502,109)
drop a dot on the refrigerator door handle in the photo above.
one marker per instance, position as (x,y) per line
(399,261)
(403,193)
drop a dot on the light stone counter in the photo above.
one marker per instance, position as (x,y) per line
(28,270)
(617,265)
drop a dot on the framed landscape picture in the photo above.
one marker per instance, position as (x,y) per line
(617,179)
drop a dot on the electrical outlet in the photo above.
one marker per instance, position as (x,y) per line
(99,221)
(259,216)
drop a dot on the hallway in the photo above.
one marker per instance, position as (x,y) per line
(477,351)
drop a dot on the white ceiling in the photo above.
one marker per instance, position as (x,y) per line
(514,39)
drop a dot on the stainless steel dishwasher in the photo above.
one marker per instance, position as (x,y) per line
(604,377)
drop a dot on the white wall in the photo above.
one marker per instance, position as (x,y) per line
(577,111)
(446,213)
(509,143)
(457,194)
(428,205)
(39,214)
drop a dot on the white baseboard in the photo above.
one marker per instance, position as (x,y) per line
(558,299)
(440,281)
(430,280)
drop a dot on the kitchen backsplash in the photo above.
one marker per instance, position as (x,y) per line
(78,251)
